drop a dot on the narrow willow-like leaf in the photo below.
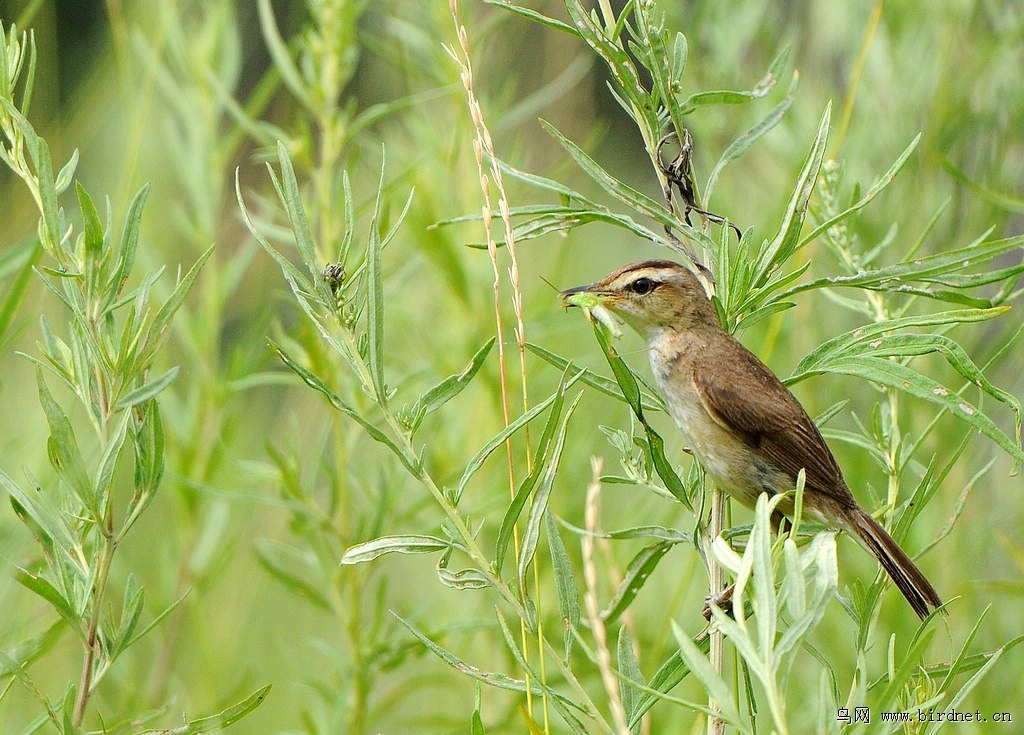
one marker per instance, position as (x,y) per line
(42,587)
(289,566)
(91,225)
(786,241)
(629,667)
(222,719)
(896,277)
(491,678)
(129,243)
(765,312)
(313,381)
(624,376)
(463,579)
(282,57)
(566,589)
(616,58)
(908,345)
(175,300)
(108,462)
(743,143)
(668,675)
(637,573)
(158,619)
(15,291)
(538,681)
(450,387)
(877,188)
(498,439)
(623,192)
(64,452)
(291,198)
(905,379)
(538,507)
(375,294)
(908,665)
(45,521)
(410,544)
(534,16)
(291,272)
(650,400)
(525,490)
(698,663)
(146,392)
(844,343)
(657,532)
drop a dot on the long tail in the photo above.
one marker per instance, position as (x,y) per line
(894,560)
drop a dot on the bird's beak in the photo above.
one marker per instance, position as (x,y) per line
(592,299)
(585,296)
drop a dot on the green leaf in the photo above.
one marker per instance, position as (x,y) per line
(295,568)
(498,439)
(876,188)
(279,52)
(785,243)
(170,307)
(91,225)
(222,719)
(743,143)
(463,579)
(623,192)
(147,391)
(539,506)
(65,456)
(669,674)
(649,399)
(534,16)
(15,292)
(129,244)
(42,587)
(494,679)
(897,278)
(698,663)
(525,490)
(375,297)
(108,462)
(290,195)
(862,337)
(450,387)
(624,376)
(637,573)
(566,588)
(45,521)
(894,375)
(411,544)
(335,400)
(131,612)
(629,667)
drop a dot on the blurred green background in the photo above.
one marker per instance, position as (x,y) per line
(146,92)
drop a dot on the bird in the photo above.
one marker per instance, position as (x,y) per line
(741,423)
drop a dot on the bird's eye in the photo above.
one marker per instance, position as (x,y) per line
(642,286)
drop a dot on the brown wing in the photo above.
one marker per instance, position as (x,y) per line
(770,418)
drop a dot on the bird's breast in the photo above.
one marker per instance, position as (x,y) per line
(727,457)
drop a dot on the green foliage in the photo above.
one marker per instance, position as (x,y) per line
(411,538)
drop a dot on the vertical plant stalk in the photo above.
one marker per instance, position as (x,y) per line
(716,583)
(604,659)
(484,144)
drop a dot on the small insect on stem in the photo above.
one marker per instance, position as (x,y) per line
(334,274)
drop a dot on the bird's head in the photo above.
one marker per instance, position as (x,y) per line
(651,296)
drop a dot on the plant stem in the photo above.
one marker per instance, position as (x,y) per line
(716,582)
